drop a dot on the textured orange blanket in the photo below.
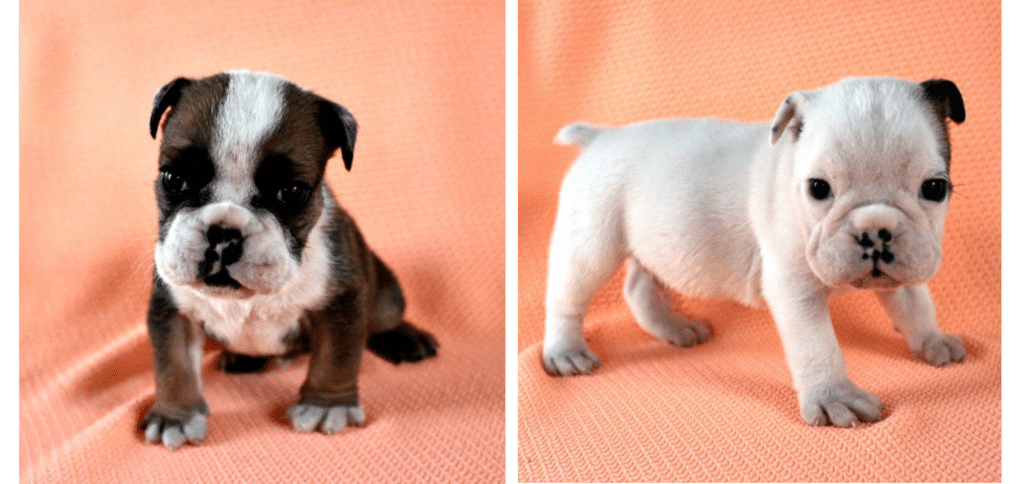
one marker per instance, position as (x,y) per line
(425,80)
(725,411)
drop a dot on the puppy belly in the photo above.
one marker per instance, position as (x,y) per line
(704,274)
(696,245)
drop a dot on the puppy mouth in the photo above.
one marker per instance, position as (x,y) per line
(876,279)
(222,280)
(221,284)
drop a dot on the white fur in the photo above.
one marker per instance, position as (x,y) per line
(722,210)
(252,108)
(258,324)
(266,264)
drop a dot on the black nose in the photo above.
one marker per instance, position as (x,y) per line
(226,242)
(865,241)
(885,235)
(875,254)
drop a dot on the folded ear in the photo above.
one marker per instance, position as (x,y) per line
(339,128)
(166,97)
(789,114)
(946,98)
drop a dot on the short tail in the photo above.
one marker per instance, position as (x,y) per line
(578,134)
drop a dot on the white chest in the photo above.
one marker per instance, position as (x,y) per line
(259,325)
(264,324)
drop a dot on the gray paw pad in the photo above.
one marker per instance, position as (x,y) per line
(943,349)
(685,334)
(843,405)
(306,417)
(571,362)
(173,434)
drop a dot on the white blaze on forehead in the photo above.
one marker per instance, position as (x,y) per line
(253,107)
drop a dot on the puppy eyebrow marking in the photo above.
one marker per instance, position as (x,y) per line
(280,168)
(188,155)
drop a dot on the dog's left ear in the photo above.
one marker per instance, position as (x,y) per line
(789,113)
(166,97)
(946,97)
(339,129)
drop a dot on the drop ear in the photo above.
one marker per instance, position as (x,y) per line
(339,129)
(789,113)
(166,97)
(946,98)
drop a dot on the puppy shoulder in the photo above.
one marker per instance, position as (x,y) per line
(350,255)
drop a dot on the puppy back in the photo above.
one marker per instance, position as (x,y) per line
(578,134)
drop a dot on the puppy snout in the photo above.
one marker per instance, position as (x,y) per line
(878,219)
(225,244)
(875,225)
(868,240)
(229,215)
(876,247)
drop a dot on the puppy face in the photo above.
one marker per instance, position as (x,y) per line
(240,182)
(871,175)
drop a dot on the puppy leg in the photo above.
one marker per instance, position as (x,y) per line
(329,398)
(826,394)
(651,308)
(392,338)
(575,272)
(179,412)
(913,314)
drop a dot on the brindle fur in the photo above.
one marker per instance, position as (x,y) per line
(366,307)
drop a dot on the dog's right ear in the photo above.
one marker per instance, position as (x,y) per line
(166,97)
(339,128)
(789,114)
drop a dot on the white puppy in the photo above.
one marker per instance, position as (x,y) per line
(847,188)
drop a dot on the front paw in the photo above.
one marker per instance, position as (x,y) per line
(842,405)
(682,332)
(306,417)
(174,432)
(941,349)
(573,360)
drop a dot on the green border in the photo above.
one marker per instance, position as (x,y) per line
(8,244)
(511,220)
(1012,237)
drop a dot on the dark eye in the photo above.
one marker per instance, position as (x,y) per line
(819,188)
(173,183)
(934,189)
(294,196)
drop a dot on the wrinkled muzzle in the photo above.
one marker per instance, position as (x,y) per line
(224,249)
(874,246)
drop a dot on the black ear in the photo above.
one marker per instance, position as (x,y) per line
(947,97)
(166,97)
(339,129)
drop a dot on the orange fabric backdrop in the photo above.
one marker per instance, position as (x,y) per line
(725,411)
(425,81)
